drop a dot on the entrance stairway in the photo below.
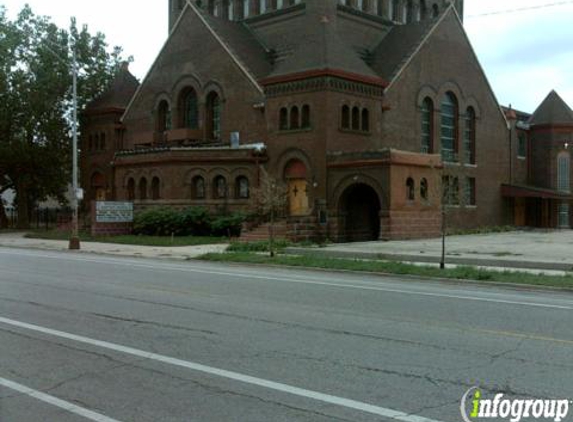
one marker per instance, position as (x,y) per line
(261,233)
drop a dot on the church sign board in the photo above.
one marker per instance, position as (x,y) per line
(114,212)
(110,218)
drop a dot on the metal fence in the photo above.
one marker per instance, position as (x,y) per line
(42,218)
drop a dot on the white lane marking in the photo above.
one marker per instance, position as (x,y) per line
(247,379)
(308,280)
(67,406)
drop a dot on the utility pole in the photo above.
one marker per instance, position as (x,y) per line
(75,238)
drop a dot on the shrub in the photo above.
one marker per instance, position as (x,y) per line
(228,225)
(196,221)
(162,221)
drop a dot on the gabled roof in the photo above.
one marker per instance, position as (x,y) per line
(233,38)
(553,110)
(119,92)
(241,42)
(399,46)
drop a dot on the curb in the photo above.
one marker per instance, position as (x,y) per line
(431,259)
(404,277)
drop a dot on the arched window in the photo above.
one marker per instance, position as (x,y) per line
(455,191)
(220,187)
(563,172)
(294,118)
(155,189)
(96,142)
(190,108)
(410,189)
(424,189)
(213,116)
(470,136)
(396,10)
(564,185)
(102,142)
(283,123)
(130,189)
(522,145)
(305,121)
(198,188)
(91,143)
(163,117)
(242,188)
(427,126)
(365,120)
(449,128)
(143,188)
(435,11)
(345,118)
(355,118)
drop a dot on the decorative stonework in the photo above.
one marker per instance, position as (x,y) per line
(324,83)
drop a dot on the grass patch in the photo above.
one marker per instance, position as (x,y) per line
(130,239)
(387,267)
(262,246)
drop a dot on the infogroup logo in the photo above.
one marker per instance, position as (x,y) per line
(474,407)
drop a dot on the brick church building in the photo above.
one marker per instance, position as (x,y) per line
(370,111)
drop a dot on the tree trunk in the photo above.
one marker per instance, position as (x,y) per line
(23,211)
(3,217)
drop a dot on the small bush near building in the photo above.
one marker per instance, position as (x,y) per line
(194,221)
(228,225)
(158,222)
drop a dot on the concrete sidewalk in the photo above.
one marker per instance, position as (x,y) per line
(17,240)
(535,249)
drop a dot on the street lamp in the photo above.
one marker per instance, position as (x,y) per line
(74,243)
(77,194)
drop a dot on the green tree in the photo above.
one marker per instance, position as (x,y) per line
(36,99)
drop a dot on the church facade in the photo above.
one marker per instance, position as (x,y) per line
(371,112)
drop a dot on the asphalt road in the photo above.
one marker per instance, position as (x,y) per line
(86,337)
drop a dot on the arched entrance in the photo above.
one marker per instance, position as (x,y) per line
(98,186)
(360,209)
(296,179)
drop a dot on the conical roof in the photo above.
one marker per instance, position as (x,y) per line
(553,110)
(119,93)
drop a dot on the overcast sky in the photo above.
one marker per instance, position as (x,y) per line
(525,54)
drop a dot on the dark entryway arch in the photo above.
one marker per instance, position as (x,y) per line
(360,208)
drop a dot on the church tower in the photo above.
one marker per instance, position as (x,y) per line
(175,9)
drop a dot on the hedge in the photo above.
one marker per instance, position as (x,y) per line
(193,221)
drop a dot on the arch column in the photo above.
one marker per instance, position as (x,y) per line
(254,7)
